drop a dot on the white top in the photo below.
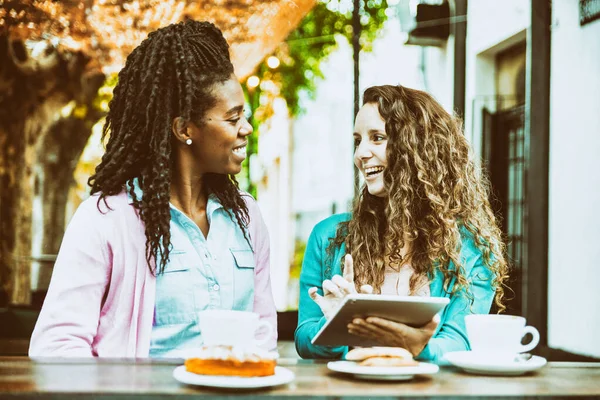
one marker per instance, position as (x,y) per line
(397,282)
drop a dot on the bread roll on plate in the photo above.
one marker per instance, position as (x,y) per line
(381,357)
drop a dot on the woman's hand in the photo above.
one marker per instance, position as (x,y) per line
(394,334)
(336,289)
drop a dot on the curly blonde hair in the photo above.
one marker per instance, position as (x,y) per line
(434,190)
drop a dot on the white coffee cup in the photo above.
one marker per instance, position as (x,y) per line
(497,338)
(232,328)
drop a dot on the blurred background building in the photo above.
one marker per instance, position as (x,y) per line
(524,77)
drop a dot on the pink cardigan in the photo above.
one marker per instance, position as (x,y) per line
(101,297)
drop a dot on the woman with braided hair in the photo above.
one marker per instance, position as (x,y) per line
(422,226)
(166,232)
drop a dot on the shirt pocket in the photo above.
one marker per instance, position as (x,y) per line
(243,279)
(174,293)
(243,258)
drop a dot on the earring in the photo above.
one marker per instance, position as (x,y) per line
(188,142)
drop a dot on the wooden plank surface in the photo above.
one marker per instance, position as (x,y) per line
(20,376)
(14,347)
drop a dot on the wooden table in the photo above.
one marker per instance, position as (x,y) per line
(21,377)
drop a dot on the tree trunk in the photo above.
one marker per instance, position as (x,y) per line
(18,142)
(32,91)
(59,154)
(12,155)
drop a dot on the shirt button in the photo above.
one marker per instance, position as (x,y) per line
(216,287)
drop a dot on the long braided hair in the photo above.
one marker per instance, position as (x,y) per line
(172,73)
(435,193)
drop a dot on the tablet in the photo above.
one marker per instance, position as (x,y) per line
(410,310)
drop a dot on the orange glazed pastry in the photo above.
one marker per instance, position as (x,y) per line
(230,361)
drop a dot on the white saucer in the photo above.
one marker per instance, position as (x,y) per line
(382,373)
(281,377)
(475,364)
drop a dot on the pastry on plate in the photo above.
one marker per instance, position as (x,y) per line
(231,361)
(381,357)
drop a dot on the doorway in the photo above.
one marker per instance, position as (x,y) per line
(505,155)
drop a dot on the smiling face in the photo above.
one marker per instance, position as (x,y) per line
(370,143)
(219,143)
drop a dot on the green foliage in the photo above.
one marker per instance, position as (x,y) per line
(105,93)
(296,267)
(300,60)
(314,40)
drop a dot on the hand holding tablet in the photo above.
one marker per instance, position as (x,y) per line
(395,319)
(365,319)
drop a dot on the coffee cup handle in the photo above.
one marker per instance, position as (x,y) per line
(534,340)
(267,336)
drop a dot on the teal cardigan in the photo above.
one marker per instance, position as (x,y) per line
(451,333)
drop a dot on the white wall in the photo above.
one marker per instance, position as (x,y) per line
(427,68)
(437,73)
(322,144)
(492,27)
(271,174)
(390,62)
(574,231)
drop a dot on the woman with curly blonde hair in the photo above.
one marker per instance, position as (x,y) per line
(422,226)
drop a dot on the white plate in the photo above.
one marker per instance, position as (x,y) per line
(382,373)
(281,377)
(471,362)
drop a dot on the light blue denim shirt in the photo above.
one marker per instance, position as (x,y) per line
(216,272)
